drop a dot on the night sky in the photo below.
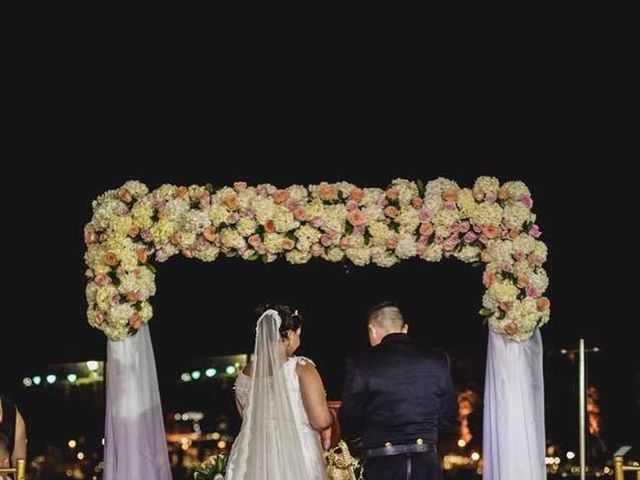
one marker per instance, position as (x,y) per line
(205,309)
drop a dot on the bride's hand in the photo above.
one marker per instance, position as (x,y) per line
(325,437)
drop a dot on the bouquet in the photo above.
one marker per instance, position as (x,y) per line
(213,468)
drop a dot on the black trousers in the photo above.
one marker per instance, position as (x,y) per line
(424,466)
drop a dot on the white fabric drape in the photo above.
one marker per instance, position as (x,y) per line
(135,442)
(514,436)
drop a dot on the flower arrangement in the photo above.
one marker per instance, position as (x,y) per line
(490,224)
(213,468)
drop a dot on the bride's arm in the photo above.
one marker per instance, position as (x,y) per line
(313,396)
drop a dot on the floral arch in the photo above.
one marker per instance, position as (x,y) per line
(489,224)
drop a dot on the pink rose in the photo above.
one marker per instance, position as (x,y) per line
(88,273)
(523,280)
(352,205)
(201,242)
(439,240)
(142,254)
(454,228)
(90,236)
(360,229)
(254,240)
(300,213)
(490,197)
(288,244)
(391,211)
(269,226)
(111,259)
(230,201)
(262,190)
(488,279)
(187,252)
(356,218)
(103,279)
(527,201)
(99,319)
(125,195)
(317,222)
(543,304)
(392,243)
(503,193)
(182,193)
(210,234)
(426,229)
(416,202)
(464,227)
(485,256)
(133,231)
(425,215)
(233,217)
(239,186)
(450,205)
(534,231)
(449,195)
(280,196)
(357,194)
(316,250)
(520,255)
(470,237)
(326,240)
(392,193)
(382,202)
(423,240)
(135,321)
(344,242)
(133,297)
(328,192)
(506,306)
(491,231)
(532,291)
(422,247)
(477,228)
(511,328)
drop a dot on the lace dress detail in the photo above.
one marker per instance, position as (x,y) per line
(309,437)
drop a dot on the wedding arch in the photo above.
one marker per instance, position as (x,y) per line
(489,224)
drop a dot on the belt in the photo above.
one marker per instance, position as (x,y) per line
(389,449)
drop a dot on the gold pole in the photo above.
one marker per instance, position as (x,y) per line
(21,467)
(617,468)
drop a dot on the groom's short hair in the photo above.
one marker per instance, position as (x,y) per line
(387,315)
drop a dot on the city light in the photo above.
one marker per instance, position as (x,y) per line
(222,444)
(461,443)
(177,416)
(571,455)
(210,372)
(195,374)
(80,455)
(72,444)
(51,378)
(92,365)
(27,382)
(185,377)
(230,370)
(72,377)
(215,436)
(37,380)
(475,456)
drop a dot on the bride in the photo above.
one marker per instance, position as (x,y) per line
(282,403)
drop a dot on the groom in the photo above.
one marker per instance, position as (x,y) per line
(398,399)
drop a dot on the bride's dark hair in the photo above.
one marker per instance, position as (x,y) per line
(291,318)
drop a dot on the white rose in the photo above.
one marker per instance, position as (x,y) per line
(334,254)
(406,248)
(298,257)
(516,189)
(359,256)
(466,203)
(487,214)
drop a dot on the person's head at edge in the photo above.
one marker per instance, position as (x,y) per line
(384,319)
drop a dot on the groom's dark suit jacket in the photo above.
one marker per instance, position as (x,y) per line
(397,393)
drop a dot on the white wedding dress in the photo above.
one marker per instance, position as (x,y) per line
(276,440)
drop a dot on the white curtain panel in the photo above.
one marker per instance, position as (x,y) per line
(514,438)
(135,442)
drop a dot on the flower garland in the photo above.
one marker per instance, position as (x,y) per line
(490,224)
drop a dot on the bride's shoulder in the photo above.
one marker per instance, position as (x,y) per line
(303,361)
